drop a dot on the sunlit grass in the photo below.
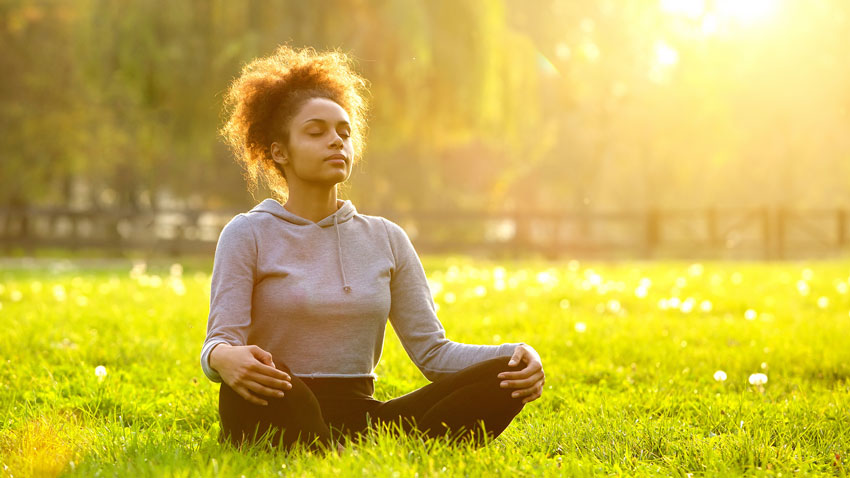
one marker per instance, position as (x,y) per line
(652,368)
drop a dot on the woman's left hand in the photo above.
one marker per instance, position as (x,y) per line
(529,380)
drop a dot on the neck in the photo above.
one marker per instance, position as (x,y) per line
(312,204)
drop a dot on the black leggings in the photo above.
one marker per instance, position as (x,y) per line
(466,405)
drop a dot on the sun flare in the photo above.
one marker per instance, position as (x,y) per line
(744,12)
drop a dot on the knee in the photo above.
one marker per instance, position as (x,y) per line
(493,367)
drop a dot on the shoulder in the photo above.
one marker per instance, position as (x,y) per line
(238,229)
(393,230)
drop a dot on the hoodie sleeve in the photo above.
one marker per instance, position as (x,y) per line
(232,286)
(414,318)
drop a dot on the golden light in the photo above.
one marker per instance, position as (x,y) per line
(689,8)
(745,11)
(665,54)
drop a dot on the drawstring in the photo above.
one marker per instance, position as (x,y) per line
(345,285)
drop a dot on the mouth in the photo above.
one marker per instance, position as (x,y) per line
(336,157)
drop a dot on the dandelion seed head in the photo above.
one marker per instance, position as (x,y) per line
(695,270)
(176,270)
(59,293)
(581,327)
(750,314)
(100,372)
(823,302)
(720,376)
(808,274)
(803,287)
(688,305)
(705,306)
(592,277)
(758,379)
(480,291)
(736,278)
(641,292)
(16,295)
(449,297)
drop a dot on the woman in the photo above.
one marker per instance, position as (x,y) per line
(301,291)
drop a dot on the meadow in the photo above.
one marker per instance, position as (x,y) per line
(655,368)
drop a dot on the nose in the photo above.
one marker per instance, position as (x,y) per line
(337,141)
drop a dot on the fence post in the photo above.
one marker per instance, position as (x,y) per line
(653,232)
(781,226)
(711,224)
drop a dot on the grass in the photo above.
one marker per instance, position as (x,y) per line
(630,372)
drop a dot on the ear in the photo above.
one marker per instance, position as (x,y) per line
(279,154)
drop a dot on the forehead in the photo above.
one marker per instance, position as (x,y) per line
(322,109)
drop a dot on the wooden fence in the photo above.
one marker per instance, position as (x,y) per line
(757,233)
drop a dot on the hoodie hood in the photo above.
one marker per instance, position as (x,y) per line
(344,212)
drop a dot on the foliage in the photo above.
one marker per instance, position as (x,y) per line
(593,104)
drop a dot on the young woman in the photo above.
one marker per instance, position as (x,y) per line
(301,291)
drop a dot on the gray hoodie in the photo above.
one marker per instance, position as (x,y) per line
(317,295)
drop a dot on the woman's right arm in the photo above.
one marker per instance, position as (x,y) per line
(247,369)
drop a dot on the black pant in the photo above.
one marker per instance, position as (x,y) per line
(317,410)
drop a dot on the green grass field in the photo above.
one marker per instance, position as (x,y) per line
(630,351)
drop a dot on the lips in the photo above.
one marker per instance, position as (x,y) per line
(335,156)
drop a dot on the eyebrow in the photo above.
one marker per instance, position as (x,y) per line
(319,120)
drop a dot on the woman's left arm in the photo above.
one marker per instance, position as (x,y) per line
(530,379)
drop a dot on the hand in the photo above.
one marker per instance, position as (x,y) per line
(529,380)
(250,372)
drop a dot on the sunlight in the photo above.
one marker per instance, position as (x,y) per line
(689,8)
(745,12)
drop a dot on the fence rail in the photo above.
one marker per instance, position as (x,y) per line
(755,233)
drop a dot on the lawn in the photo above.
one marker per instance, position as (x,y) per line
(100,375)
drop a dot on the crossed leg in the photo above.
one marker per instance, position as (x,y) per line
(467,405)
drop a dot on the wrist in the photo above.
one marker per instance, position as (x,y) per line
(215,354)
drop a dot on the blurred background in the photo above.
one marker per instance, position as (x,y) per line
(602,128)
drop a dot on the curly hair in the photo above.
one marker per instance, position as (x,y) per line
(261,102)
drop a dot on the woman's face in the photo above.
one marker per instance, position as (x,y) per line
(319,150)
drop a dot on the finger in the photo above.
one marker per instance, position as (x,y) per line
(250,397)
(520,374)
(526,392)
(270,382)
(522,383)
(264,357)
(260,389)
(516,358)
(529,369)
(533,397)
(270,371)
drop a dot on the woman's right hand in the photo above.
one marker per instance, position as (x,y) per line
(250,372)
